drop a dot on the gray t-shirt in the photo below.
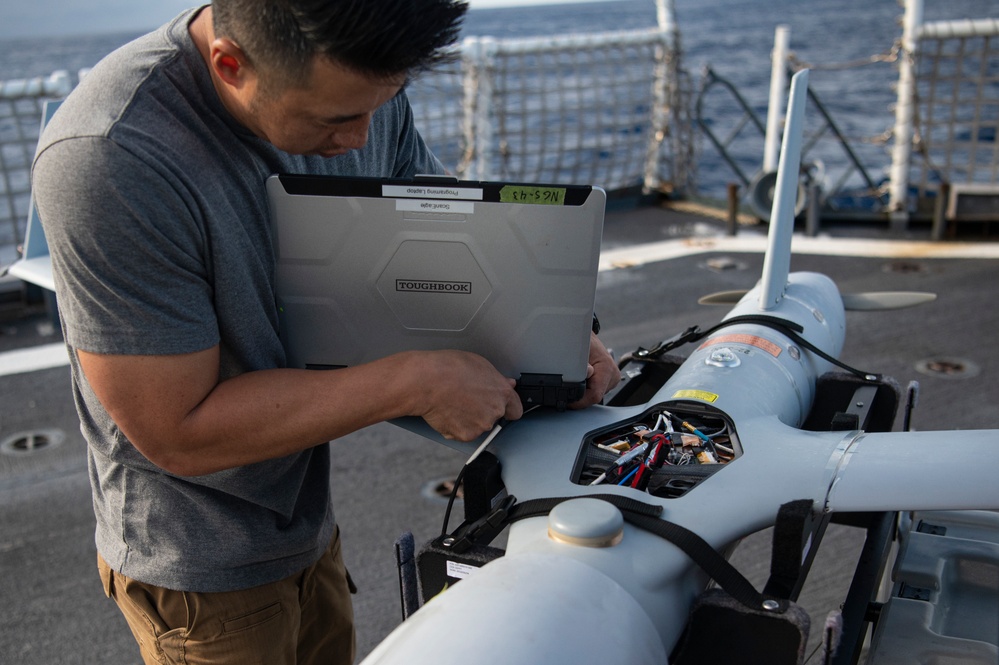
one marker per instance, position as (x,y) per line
(152,199)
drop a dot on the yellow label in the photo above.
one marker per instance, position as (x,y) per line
(695,394)
(551,196)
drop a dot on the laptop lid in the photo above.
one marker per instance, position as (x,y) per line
(368,267)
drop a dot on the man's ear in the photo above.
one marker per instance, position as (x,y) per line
(229,62)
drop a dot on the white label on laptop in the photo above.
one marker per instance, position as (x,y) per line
(419,205)
(432,192)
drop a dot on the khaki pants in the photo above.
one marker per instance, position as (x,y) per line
(304,619)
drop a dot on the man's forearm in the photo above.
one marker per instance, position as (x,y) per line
(176,413)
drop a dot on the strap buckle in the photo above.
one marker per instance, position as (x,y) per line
(485,528)
(668,345)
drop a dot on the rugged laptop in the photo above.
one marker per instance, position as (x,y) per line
(369,267)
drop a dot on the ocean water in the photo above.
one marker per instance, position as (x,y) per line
(732,37)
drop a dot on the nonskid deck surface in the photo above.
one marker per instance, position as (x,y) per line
(56,611)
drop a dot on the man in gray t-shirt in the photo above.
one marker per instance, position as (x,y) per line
(208,459)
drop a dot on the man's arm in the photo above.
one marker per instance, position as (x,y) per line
(175,411)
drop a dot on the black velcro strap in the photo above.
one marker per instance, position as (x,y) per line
(774,322)
(710,561)
(789,329)
(646,516)
(792,529)
(540,507)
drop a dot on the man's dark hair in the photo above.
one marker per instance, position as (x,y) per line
(374,37)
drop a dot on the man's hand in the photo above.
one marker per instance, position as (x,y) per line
(465,396)
(601,376)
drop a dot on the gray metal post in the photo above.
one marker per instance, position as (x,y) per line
(812,215)
(940,212)
(732,218)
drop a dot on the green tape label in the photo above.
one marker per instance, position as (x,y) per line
(551,196)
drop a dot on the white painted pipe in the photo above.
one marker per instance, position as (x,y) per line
(775,107)
(904,114)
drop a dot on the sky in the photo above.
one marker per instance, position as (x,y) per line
(72,17)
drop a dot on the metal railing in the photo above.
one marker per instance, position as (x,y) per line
(957,94)
(738,143)
(566,109)
(21,103)
(948,107)
(605,109)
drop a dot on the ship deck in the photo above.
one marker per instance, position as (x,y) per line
(660,260)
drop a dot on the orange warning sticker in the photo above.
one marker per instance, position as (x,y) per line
(742,338)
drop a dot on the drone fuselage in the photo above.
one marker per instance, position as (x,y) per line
(547,599)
